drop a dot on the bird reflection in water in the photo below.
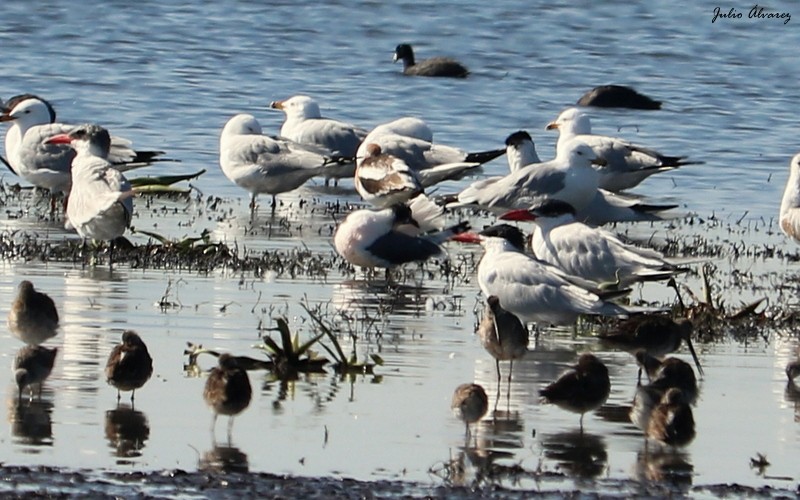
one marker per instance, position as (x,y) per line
(223,459)
(578,454)
(792,395)
(31,423)
(127,430)
(664,464)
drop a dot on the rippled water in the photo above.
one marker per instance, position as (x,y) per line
(169,76)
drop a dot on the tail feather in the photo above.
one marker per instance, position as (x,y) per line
(449,171)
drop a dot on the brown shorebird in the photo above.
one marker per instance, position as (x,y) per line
(672,373)
(656,334)
(32,366)
(129,365)
(672,422)
(470,404)
(793,370)
(33,317)
(503,335)
(583,388)
(227,390)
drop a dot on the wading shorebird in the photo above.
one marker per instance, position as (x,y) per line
(583,388)
(656,334)
(33,317)
(503,335)
(227,390)
(671,373)
(435,66)
(129,365)
(32,366)
(672,421)
(470,404)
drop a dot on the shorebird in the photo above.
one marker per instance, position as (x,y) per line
(670,373)
(305,125)
(583,388)
(100,204)
(129,365)
(435,66)
(531,289)
(790,204)
(227,390)
(33,317)
(672,421)
(589,252)
(503,335)
(388,237)
(263,165)
(470,404)
(793,370)
(626,164)
(32,366)
(657,334)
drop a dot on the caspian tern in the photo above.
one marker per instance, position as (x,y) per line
(129,364)
(569,177)
(790,205)
(385,180)
(435,66)
(529,288)
(604,208)
(32,366)
(617,96)
(261,164)
(589,252)
(380,238)
(100,202)
(470,403)
(583,388)
(47,165)
(33,317)
(627,164)
(411,140)
(305,124)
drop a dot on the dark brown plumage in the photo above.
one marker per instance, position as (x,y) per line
(227,390)
(129,365)
(32,365)
(503,335)
(617,96)
(672,421)
(435,66)
(33,317)
(470,403)
(583,388)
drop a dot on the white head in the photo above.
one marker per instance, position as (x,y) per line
(86,139)
(520,150)
(29,111)
(578,152)
(242,124)
(571,121)
(299,107)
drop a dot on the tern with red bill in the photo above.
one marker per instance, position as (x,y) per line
(591,253)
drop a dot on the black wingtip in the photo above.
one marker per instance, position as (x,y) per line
(484,156)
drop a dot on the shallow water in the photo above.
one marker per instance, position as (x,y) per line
(169,76)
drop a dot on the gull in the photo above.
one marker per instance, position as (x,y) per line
(568,177)
(337,139)
(45,164)
(381,238)
(100,203)
(129,364)
(33,317)
(790,205)
(385,180)
(604,207)
(411,140)
(591,253)
(227,390)
(529,288)
(32,366)
(435,66)
(583,388)
(627,164)
(261,164)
